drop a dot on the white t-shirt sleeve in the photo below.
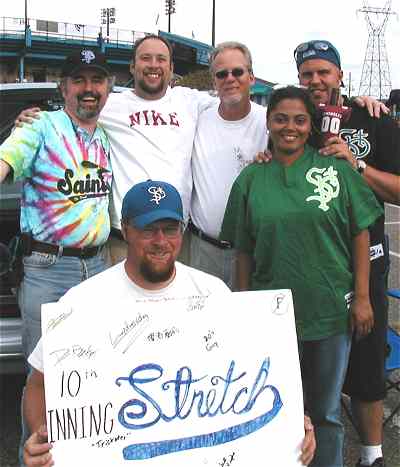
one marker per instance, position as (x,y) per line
(202,99)
(35,359)
(192,280)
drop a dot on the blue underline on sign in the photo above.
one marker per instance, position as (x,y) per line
(142,451)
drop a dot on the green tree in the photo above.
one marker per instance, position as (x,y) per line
(200,79)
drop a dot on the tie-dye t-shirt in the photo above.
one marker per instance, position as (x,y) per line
(66,177)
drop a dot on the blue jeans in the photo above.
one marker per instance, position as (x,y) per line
(323,365)
(47,278)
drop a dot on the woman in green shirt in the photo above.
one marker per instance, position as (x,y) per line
(300,222)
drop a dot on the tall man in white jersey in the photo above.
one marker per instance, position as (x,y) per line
(153,232)
(227,138)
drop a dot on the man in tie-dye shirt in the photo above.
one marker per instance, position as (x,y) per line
(63,161)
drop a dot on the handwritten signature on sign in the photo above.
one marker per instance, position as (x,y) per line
(54,322)
(75,351)
(162,335)
(129,332)
(196,302)
(227,461)
(211,342)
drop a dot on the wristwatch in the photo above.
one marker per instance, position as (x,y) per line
(361,166)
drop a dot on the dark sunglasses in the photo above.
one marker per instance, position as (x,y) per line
(235,72)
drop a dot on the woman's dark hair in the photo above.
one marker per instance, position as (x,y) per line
(291,92)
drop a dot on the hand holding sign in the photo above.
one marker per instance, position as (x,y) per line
(36,450)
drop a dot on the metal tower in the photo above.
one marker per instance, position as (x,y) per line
(375,78)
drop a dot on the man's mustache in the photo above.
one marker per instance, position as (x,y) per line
(88,94)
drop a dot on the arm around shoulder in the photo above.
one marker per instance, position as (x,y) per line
(383,175)
(384,184)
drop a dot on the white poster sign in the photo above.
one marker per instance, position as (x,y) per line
(199,381)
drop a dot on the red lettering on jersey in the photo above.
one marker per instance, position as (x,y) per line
(172,119)
(154,119)
(135,119)
(157,118)
(145,112)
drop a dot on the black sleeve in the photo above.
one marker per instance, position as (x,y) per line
(387,146)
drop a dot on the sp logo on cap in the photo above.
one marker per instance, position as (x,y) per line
(157,192)
(88,56)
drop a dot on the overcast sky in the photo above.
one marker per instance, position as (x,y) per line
(271,29)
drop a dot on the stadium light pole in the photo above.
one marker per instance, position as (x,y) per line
(26,14)
(169,10)
(107,18)
(22,58)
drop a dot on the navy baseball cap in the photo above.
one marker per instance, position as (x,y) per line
(321,49)
(151,201)
(83,59)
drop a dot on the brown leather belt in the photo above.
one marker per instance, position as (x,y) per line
(42,247)
(218,243)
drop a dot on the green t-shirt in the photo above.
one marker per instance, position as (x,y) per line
(298,222)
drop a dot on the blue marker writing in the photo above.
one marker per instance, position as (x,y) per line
(221,399)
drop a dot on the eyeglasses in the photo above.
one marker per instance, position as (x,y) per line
(322,46)
(235,72)
(169,231)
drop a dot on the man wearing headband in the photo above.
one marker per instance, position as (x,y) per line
(372,147)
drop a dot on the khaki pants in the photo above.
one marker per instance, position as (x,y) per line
(213,260)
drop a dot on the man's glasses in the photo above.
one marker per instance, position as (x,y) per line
(169,231)
(235,72)
(316,45)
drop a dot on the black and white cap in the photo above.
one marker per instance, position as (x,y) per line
(84,59)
